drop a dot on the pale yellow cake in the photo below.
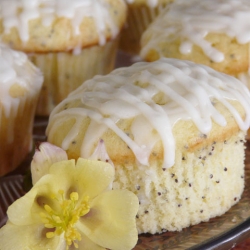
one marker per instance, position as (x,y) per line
(70,41)
(174,131)
(20,84)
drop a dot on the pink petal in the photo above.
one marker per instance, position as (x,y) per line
(44,157)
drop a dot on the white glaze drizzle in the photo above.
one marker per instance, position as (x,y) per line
(189,91)
(192,20)
(76,10)
(16,69)
(150,3)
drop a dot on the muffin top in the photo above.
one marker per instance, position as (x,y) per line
(141,106)
(200,25)
(150,3)
(18,78)
(59,25)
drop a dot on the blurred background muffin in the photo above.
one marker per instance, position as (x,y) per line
(214,33)
(140,14)
(70,41)
(20,84)
(174,131)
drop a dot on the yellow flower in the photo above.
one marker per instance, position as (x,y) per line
(71,207)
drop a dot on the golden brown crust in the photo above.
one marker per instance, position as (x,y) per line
(140,3)
(187,136)
(60,36)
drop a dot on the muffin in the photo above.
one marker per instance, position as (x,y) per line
(20,84)
(70,41)
(140,14)
(175,132)
(213,33)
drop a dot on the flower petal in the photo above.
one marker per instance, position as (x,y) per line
(27,209)
(44,158)
(100,153)
(87,178)
(28,237)
(111,220)
(86,244)
(19,212)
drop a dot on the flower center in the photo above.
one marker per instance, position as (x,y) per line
(65,218)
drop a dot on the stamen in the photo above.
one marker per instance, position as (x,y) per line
(63,221)
(48,208)
(74,196)
(50,235)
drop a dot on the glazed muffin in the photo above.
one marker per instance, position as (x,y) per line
(70,41)
(205,32)
(174,131)
(20,84)
(214,33)
(140,14)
